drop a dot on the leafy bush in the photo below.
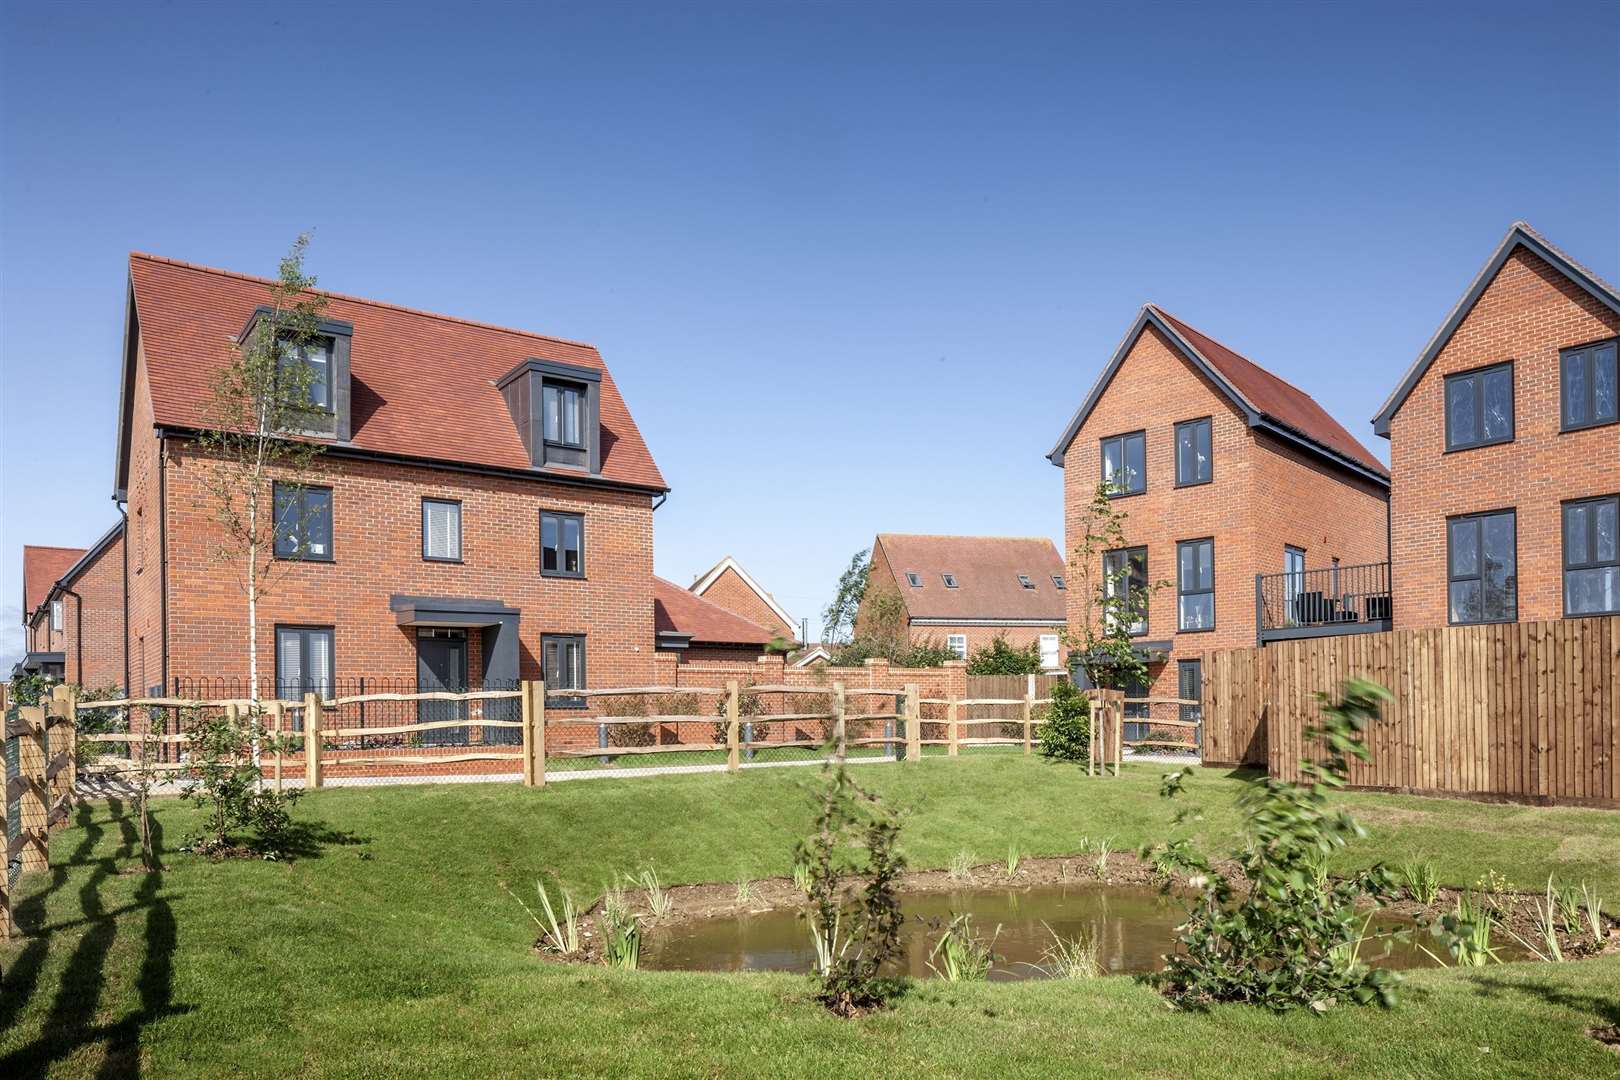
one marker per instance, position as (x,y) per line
(1290,939)
(854,839)
(1066,734)
(628,706)
(924,653)
(223,779)
(1000,658)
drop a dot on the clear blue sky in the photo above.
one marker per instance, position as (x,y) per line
(852,267)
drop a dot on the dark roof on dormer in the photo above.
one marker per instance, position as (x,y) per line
(423,385)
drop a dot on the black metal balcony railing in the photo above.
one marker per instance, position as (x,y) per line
(1338,600)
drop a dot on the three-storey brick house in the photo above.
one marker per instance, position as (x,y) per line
(1225,472)
(1505,448)
(481,511)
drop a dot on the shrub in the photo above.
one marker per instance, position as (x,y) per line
(1066,734)
(1289,940)
(625,707)
(1000,658)
(222,778)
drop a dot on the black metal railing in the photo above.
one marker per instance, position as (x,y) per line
(1344,599)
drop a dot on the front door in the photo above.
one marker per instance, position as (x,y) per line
(441,664)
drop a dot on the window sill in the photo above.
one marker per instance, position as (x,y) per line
(1479,445)
(436,559)
(306,558)
(1196,630)
(1194,483)
(559,575)
(1126,494)
(1484,622)
(1568,428)
(1611,613)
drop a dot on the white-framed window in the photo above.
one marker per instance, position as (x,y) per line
(56,616)
(1049,652)
(957,643)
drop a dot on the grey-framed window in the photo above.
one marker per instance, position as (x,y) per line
(303,522)
(1482,575)
(562,544)
(304,661)
(562,659)
(441,530)
(1058,582)
(949,579)
(562,408)
(1592,556)
(1128,567)
(1586,386)
(1479,407)
(1025,581)
(56,616)
(1195,585)
(957,644)
(1124,463)
(314,353)
(1293,583)
(1194,464)
(914,579)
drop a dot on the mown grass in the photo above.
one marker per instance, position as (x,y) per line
(391,950)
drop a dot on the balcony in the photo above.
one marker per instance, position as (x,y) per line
(1320,603)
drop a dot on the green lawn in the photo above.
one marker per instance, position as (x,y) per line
(393,951)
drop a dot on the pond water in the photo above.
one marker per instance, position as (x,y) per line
(1132,926)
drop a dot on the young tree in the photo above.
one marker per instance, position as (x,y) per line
(261,404)
(1110,603)
(838,620)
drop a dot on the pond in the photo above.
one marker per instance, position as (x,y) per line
(1133,926)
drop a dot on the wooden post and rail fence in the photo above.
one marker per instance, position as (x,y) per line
(48,737)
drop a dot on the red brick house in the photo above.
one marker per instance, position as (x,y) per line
(695,628)
(1505,448)
(73,612)
(726,583)
(482,510)
(1226,473)
(964,591)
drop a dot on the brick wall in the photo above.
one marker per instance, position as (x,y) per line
(731,592)
(1263,494)
(99,662)
(377,547)
(143,535)
(1526,314)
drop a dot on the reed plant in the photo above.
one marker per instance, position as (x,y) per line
(961,954)
(1070,958)
(1420,881)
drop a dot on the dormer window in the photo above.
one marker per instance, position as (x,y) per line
(950,580)
(1023,579)
(563,404)
(324,354)
(913,579)
(1057,580)
(556,409)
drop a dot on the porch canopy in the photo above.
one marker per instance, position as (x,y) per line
(498,622)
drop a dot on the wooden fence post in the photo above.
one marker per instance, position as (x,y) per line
(33,799)
(1117,712)
(526,717)
(1092,720)
(840,742)
(58,740)
(312,740)
(953,739)
(913,722)
(733,712)
(538,689)
(278,727)
(6,927)
(1029,716)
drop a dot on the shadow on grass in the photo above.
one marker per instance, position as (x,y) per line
(1604,1008)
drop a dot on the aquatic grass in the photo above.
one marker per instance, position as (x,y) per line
(962,955)
(1466,933)
(1569,907)
(1420,880)
(621,940)
(962,864)
(1070,958)
(801,877)
(1104,849)
(560,936)
(1013,860)
(659,903)
(1594,914)
(745,889)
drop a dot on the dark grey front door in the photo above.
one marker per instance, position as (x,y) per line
(441,664)
(1190,686)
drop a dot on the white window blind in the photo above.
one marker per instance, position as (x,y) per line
(441,530)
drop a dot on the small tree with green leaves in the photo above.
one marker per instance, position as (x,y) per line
(1291,938)
(257,420)
(1110,603)
(838,620)
(1002,658)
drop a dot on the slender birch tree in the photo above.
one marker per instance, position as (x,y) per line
(1110,603)
(260,407)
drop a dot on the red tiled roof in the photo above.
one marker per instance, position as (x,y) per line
(1280,400)
(42,568)
(986,569)
(676,609)
(423,385)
